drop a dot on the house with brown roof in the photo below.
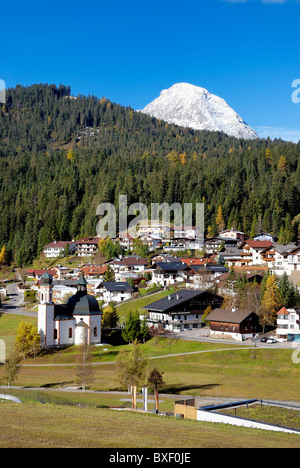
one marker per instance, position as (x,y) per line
(93,271)
(253,253)
(132,263)
(87,246)
(234,323)
(57,248)
(233,234)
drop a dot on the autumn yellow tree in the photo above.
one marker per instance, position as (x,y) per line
(219,219)
(270,300)
(173,158)
(209,233)
(3,255)
(268,155)
(70,155)
(182,158)
(28,340)
(282,164)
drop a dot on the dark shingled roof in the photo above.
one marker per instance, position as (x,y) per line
(117,286)
(80,303)
(167,303)
(172,266)
(228,315)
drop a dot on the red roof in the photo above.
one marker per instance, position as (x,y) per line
(131,261)
(57,244)
(40,272)
(259,244)
(94,270)
(88,240)
(283,311)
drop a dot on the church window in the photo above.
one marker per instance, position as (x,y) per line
(55,334)
(95,331)
(70,333)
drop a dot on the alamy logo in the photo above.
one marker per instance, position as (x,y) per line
(296,93)
(2,91)
(182,215)
(2,352)
(296,353)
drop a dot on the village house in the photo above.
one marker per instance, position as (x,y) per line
(163,257)
(188,232)
(114,291)
(265,237)
(251,253)
(57,248)
(214,244)
(288,324)
(183,243)
(133,264)
(233,323)
(291,259)
(125,240)
(87,246)
(36,274)
(233,234)
(231,256)
(93,271)
(156,229)
(181,310)
(168,273)
(206,275)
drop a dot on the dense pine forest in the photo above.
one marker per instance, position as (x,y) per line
(61,156)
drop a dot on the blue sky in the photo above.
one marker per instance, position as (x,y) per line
(245,51)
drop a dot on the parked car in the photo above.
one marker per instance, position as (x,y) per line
(271,340)
(264,339)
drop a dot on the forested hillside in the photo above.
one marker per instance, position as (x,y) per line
(61,156)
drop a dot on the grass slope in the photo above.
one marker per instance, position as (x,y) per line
(51,426)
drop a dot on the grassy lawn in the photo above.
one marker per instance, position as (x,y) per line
(218,370)
(55,426)
(269,414)
(138,304)
(238,373)
(212,369)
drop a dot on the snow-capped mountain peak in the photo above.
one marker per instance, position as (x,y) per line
(191,106)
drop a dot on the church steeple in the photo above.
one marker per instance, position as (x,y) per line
(46,287)
(82,285)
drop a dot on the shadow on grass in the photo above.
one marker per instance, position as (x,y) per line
(179,388)
(52,385)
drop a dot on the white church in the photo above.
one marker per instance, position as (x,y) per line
(77,320)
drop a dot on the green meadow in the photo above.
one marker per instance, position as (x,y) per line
(190,367)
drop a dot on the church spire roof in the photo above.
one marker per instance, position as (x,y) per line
(82,284)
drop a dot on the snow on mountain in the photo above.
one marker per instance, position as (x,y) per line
(191,106)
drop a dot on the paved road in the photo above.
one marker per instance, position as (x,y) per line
(202,334)
(16,298)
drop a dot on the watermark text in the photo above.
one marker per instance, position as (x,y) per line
(2,92)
